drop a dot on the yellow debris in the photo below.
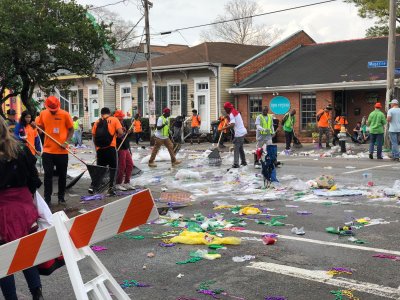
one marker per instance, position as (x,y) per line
(249,211)
(202,238)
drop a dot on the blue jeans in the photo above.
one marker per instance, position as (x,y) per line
(8,283)
(378,138)
(394,139)
(78,137)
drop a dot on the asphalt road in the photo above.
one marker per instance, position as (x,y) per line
(294,268)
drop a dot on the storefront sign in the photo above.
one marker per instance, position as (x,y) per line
(280,105)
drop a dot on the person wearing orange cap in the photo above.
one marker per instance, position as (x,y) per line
(58,124)
(162,138)
(125,162)
(376,122)
(236,122)
(324,122)
(105,131)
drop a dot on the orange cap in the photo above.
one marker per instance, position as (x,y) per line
(52,103)
(378,105)
(119,114)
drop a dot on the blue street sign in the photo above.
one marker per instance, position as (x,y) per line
(280,105)
(377,64)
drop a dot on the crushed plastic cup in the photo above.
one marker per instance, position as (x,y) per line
(268,240)
(243,258)
(298,231)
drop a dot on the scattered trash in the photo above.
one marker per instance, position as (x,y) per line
(184,174)
(98,248)
(347,293)
(298,231)
(387,256)
(249,211)
(339,271)
(180,275)
(325,181)
(150,254)
(299,185)
(243,258)
(199,238)
(189,261)
(268,240)
(132,283)
(337,193)
(304,213)
(356,241)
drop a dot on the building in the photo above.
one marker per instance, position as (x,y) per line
(350,75)
(193,78)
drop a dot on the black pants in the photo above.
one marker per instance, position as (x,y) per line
(335,136)
(138,135)
(288,138)
(61,163)
(108,157)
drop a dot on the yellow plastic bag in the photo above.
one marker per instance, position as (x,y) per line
(249,211)
(202,238)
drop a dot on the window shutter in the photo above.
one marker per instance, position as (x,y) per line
(164,97)
(80,101)
(158,100)
(140,100)
(184,99)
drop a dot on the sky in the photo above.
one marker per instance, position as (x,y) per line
(324,23)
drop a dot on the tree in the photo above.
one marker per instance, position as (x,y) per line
(378,9)
(123,31)
(242,31)
(38,38)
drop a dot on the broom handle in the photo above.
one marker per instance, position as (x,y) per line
(59,144)
(126,135)
(220,136)
(37,152)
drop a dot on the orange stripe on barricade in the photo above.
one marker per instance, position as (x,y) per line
(27,251)
(83,227)
(138,211)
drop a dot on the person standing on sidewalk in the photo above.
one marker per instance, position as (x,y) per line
(288,123)
(376,122)
(58,124)
(125,162)
(340,121)
(105,131)
(236,122)
(265,130)
(137,128)
(324,120)
(195,126)
(393,118)
(78,128)
(162,138)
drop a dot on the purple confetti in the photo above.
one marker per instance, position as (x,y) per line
(208,292)
(167,245)
(270,235)
(275,298)
(341,270)
(98,248)
(93,197)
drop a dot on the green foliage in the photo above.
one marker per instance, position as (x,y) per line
(378,9)
(39,38)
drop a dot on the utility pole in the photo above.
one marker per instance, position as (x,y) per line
(391,60)
(147,5)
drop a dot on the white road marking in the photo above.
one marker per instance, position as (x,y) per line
(300,158)
(366,169)
(323,277)
(324,243)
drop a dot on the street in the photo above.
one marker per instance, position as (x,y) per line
(295,267)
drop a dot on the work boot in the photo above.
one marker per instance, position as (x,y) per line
(37,294)
(152,164)
(235,166)
(175,163)
(243,164)
(61,201)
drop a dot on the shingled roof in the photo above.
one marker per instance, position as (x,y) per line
(336,62)
(209,52)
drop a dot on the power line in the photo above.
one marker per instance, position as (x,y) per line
(246,17)
(110,4)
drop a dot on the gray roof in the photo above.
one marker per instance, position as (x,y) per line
(336,62)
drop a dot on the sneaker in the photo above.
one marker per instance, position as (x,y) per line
(111,192)
(243,164)
(379,157)
(62,201)
(129,186)
(235,166)
(90,190)
(371,156)
(152,165)
(120,187)
(175,163)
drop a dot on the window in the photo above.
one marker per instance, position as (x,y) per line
(174,97)
(93,92)
(255,108)
(308,111)
(202,86)
(126,90)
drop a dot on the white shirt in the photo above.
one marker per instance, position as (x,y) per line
(158,133)
(240,130)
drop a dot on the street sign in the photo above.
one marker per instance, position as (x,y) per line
(377,64)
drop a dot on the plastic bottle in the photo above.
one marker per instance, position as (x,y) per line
(367,179)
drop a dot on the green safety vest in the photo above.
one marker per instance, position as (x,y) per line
(288,125)
(165,129)
(266,124)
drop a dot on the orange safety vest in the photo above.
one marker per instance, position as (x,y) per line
(339,121)
(222,124)
(324,119)
(196,121)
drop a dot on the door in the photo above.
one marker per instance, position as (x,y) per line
(126,103)
(203,112)
(94,105)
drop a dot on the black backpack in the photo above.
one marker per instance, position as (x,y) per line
(102,137)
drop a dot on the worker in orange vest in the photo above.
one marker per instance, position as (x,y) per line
(324,122)
(195,125)
(340,121)
(223,122)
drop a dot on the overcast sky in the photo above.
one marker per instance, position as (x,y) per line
(324,23)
